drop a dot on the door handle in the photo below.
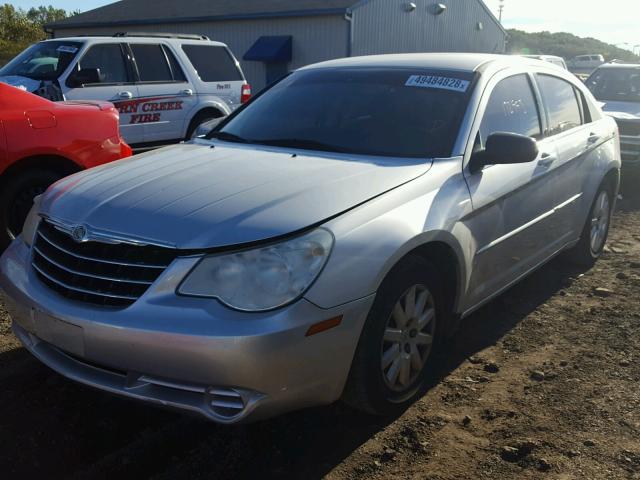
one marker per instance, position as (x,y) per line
(593,138)
(546,159)
(125,95)
(187,92)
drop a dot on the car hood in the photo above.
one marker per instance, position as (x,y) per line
(622,110)
(193,196)
(24,83)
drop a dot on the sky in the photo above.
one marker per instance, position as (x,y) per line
(613,21)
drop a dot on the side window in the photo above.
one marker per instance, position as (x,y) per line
(212,63)
(108,59)
(561,102)
(176,69)
(152,63)
(512,108)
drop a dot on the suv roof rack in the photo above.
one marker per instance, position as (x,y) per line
(184,36)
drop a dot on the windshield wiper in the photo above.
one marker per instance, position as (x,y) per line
(304,144)
(227,137)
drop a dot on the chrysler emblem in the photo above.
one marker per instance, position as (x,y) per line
(79,233)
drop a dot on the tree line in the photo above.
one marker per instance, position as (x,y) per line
(20,28)
(564,45)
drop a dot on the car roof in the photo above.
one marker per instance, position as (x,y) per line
(136,39)
(619,65)
(465,62)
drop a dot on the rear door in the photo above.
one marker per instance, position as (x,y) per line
(576,140)
(166,96)
(116,85)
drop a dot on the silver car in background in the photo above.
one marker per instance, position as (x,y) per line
(321,241)
(617,87)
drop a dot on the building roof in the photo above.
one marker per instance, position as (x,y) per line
(153,12)
(128,12)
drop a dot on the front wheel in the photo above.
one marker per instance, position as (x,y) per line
(596,229)
(395,349)
(16,199)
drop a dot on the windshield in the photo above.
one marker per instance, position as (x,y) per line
(384,112)
(615,84)
(43,61)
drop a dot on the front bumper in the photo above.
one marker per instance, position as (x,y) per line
(630,151)
(188,353)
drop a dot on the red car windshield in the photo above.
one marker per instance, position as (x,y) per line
(43,61)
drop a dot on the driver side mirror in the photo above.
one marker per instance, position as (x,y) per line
(504,148)
(83,77)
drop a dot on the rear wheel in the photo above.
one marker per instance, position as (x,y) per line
(16,199)
(596,229)
(199,119)
(395,349)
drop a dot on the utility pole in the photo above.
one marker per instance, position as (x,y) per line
(500,10)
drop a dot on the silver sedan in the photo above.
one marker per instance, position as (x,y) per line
(321,241)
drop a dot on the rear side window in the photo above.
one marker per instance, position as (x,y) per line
(512,108)
(152,63)
(212,64)
(108,59)
(561,102)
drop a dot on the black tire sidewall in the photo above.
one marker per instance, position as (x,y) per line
(10,189)
(198,120)
(411,272)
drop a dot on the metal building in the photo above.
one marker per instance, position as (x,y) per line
(271,37)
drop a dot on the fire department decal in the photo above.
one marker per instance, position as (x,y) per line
(148,110)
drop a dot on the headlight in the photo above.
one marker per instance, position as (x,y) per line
(263,278)
(31,223)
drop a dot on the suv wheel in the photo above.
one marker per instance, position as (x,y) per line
(395,349)
(16,199)
(199,119)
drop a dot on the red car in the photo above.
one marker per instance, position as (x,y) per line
(42,141)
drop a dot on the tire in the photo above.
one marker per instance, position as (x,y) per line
(596,229)
(371,386)
(16,198)
(199,119)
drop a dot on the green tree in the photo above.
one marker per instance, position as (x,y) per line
(20,28)
(564,45)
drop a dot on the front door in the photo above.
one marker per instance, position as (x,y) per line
(512,204)
(116,85)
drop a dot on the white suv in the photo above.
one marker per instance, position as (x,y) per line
(163,85)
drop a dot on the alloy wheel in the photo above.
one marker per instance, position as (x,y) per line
(600,221)
(408,338)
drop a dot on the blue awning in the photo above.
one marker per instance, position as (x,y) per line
(270,49)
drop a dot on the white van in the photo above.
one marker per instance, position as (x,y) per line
(585,62)
(555,60)
(163,85)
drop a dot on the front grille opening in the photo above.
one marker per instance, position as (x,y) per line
(110,275)
(226,402)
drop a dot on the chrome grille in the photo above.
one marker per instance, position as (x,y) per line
(628,128)
(114,275)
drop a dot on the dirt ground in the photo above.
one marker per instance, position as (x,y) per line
(541,383)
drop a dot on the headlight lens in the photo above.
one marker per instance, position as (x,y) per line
(263,278)
(31,223)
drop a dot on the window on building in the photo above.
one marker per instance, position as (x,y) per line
(561,102)
(212,63)
(512,108)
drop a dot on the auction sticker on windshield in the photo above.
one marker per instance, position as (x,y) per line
(434,81)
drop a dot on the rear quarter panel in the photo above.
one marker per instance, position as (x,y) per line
(85,134)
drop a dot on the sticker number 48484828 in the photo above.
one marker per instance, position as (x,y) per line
(434,81)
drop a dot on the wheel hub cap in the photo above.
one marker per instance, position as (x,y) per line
(408,338)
